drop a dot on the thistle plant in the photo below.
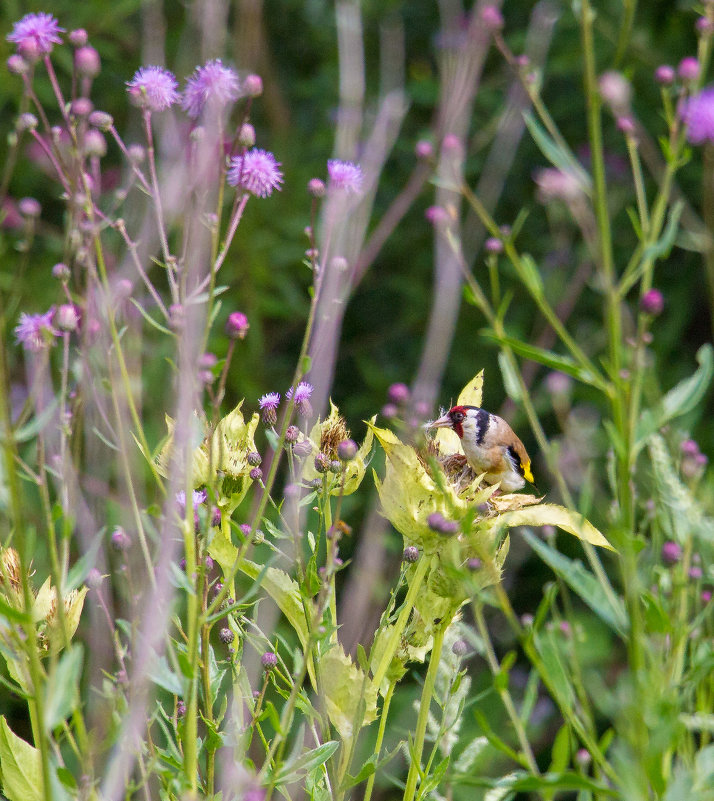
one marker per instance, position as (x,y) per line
(181,529)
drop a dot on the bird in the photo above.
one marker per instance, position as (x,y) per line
(490,445)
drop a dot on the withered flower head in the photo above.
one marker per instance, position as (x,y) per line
(10,572)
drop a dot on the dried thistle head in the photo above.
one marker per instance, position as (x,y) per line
(10,569)
(333,431)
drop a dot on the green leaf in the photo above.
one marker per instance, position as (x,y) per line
(12,614)
(530,275)
(62,689)
(561,750)
(680,400)
(546,357)
(162,675)
(83,565)
(558,679)
(149,319)
(20,766)
(582,582)
(556,153)
(293,770)
(510,378)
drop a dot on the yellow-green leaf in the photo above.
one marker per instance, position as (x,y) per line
(344,687)
(550,514)
(20,766)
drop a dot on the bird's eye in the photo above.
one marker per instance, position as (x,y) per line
(458,417)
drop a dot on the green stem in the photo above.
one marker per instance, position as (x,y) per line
(400,625)
(380,736)
(422,719)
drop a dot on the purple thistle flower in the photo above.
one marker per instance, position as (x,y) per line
(198,497)
(256,171)
(698,114)
(36,34)
(303,392)
(345,176)
(35,332)
(269,401)
(211,85)
(268,405)
(153,88)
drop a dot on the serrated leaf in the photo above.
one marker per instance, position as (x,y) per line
(20,766)
(345,687)
(582,582)
(550,514)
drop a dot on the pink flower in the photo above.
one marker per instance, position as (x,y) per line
(35,332)
(255,171)
(303,392)
(211,85)
(345,176)
(698,114)
(153,88)
(35,34)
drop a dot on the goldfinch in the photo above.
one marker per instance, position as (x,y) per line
(490,445)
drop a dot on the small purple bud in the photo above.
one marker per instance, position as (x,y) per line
(322,463)
(94,579)
(665,75)
(436,215)
(269,660)
(652,302)
(316,187)
(246,135)
(695,573)
(704,26)
(254,458)
(424,149)
(226,636)
(208,562)
(474,564)
(398,393)
(411,554)
(253,85)
(671,552)
(103,121)
(626,125)
(237,325)
(16,65)
(180,709)
(688,69)
(452,144)
(78,37)
(27,122)
(527,620)
(565,628)
(120,539)
(335,466)
(87,62)
(303,448)
(256,474)
(493,245)
(460,648)
(492,18)
(582,757)
(689,447)
(706,596)
(29,207)
(216,517)
(66,318)
(292,434)
(217,588)
(389,411)
(347,450)
(435,521)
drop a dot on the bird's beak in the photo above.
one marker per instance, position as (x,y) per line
(441,422)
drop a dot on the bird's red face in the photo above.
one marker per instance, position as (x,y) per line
(453,419)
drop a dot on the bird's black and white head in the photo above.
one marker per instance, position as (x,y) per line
(469,421)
